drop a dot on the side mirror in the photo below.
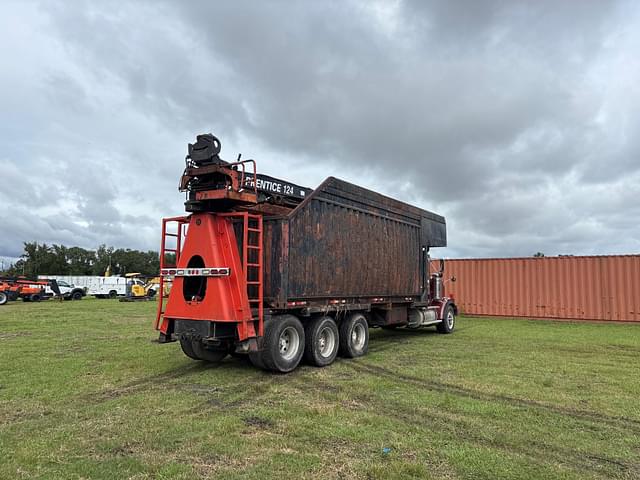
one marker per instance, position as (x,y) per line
(441,265)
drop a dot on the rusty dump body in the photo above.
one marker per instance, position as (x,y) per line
(346,245)
(269,268)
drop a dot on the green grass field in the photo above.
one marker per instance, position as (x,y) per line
(85,392)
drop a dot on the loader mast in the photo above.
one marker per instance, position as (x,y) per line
(213,258)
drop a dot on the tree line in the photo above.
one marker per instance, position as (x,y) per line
(43,259)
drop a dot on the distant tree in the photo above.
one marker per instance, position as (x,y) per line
(8,269)
(42,259)
(538,254)
(16,269)
(102,260)
(80,261)
(57,260)
(170,259)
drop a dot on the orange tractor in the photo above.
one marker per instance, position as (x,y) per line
(28,290)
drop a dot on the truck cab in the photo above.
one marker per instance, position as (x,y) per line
(68,291)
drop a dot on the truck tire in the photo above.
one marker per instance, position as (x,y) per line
(151,293)
(4,298)
(256,360)
(354,336)
(187,348)
(321,344)
(448,321)
(35,297)
(113,294)
(77,295)
(208,354)
(282,344)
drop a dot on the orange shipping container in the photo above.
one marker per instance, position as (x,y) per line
(585,288)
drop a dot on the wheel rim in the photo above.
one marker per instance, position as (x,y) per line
(450,319)
(289,342)
(358,336)
(326,342)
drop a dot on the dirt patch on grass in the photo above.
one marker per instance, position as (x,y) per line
(625,349)
(258,422)
(141,384)
(198,388)
(15,416)
(8,336)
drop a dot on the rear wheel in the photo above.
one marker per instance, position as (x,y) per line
(448,320)
(256,360)
(207,353)
(4,298)
(187,348)
(282,345)
(321,346)
(113,294)
(354,336)
(35,297)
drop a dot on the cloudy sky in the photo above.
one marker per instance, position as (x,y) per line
(518,121)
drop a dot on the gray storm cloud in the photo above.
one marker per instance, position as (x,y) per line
(516,120)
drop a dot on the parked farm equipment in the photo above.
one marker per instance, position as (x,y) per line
(280,272)
(12,288)
(140,287)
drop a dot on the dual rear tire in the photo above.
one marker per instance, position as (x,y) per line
(354,336)
(322,341)
(286,342)
(198,350)
(283,344)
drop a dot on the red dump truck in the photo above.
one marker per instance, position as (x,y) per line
(280,272)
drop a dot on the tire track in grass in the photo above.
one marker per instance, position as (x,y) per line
(145,383)
(541,453)
(614,421)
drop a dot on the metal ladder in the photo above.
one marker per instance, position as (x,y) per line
(181,222)
(252,263)
(252,256)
